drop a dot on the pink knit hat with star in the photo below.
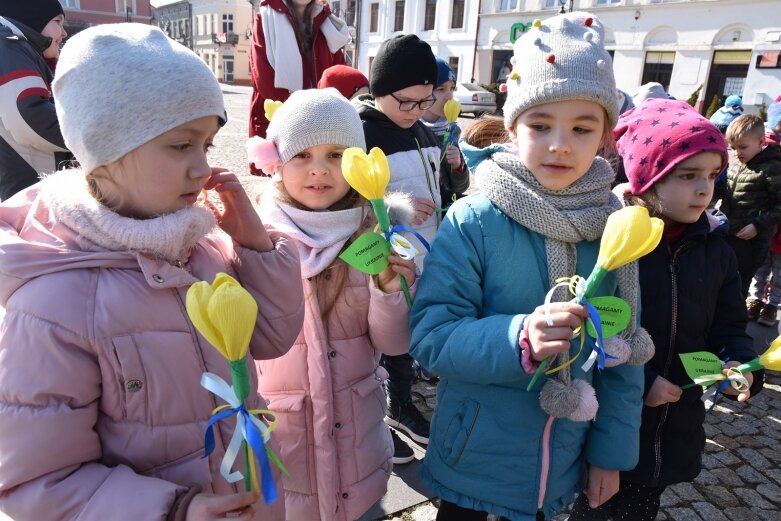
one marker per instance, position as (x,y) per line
(658,135)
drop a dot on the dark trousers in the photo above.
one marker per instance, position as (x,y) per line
(451,512)
(400,375)
(751,254)
(632,502)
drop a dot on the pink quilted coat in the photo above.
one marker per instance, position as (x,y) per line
(327,394)
(101,412)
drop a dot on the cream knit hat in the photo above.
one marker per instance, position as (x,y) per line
(118,86)
(562,58)
(314,117)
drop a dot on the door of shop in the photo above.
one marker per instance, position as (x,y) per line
(728,75)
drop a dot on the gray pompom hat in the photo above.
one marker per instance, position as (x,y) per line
(561,58)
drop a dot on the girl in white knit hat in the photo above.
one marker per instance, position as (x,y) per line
(101,409)
(495,446)
(327,391)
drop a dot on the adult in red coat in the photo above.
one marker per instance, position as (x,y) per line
(293,42)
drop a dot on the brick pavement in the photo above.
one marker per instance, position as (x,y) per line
(741,477)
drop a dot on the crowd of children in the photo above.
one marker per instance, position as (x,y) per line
(96,344)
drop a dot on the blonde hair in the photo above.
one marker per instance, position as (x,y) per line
(103,185)
(743,126)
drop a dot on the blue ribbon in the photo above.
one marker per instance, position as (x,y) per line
(451,134)
(722,385)
(255,440)
(596,321)
(401,228)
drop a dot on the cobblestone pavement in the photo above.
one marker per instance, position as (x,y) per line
(741,477)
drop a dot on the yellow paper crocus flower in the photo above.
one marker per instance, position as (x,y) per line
(270,106)
(224,313)
(771,359)
(452,110)
(629,234)
(368,174)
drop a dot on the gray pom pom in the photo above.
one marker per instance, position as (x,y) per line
(619,348)
(400,208)
(559,400)
(642,347)
(587,402)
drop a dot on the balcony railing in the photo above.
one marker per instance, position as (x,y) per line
(225,38)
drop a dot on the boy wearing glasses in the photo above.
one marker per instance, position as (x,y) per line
(402,79)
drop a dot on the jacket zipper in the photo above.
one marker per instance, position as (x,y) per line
(429,175)
(670,353)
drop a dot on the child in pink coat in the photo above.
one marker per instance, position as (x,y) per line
(101,412)
(327,390)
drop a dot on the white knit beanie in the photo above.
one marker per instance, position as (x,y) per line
(118,86)
(560,59)
(314,117)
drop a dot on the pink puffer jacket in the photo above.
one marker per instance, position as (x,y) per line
(101,411)
(327,394)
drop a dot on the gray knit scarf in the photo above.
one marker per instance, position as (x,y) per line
(566,217)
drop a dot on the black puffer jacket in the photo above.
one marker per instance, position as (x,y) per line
(690,302)
(753,193)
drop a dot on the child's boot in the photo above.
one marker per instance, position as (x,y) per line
(753,307)
(768,315)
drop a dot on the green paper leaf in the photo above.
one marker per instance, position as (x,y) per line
(700,363)
(614,313)
(368,253)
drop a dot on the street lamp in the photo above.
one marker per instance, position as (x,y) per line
(563,3)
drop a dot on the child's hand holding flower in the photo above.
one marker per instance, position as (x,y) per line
(453,156)
(388,281)
(743,394)
(549,335)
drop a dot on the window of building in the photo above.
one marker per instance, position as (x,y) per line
(508,5)
(457,18)
(663,1)
(374,17)
(70,4)
(658,67)
(430,15)
(606,2)
(398,20)
(227,23)
(453,62)
(550,4)
(125,6)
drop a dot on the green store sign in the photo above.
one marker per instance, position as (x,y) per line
(517,29)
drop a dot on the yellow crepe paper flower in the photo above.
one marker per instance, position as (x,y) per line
(368,174)
(270,106)
(452,110)
(224,313)
(629,234)
(771,359)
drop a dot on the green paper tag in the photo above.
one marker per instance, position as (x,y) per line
(614,313)
(700,363)
(368,253)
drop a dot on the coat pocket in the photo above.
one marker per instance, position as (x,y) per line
(295,437)
(459,430)
(369,442)
(134,382)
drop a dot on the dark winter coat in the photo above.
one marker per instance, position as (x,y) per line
(754,193)
(691,301)
(30,138)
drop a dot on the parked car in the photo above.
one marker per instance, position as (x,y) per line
(474,99)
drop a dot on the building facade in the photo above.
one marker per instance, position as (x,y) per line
(722,47)
(222,35)
(80,14)
(175,20)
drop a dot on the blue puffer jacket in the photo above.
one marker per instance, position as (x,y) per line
(488,444)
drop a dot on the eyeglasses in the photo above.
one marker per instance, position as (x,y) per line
(406,105)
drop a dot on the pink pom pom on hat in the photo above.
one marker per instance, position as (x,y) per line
(658,135)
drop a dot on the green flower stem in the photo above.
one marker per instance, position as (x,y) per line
(383,219)
(748,367)
(240,379)
(592,283)
(247,463)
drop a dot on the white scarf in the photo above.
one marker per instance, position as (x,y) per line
(319,236)
(170,237)
(282,46)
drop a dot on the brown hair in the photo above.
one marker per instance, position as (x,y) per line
(304,38)
(649,200)
(745,125)
(486,131)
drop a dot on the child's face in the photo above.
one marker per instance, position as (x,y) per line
(314,177)
(54,30)
(747,147)
(392,104)
(167,173)
(558,141)
(443,93)
(686,192)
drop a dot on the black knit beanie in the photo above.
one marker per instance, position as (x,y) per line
(401,62)
(35,14)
